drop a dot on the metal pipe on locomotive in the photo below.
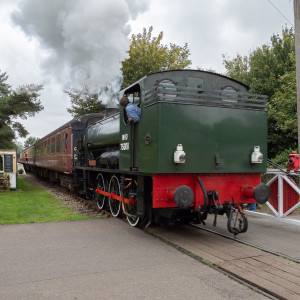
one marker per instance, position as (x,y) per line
(199,148)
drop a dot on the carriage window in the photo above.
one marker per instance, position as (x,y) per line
(63,142)
(44,147)
(229,94)
(1,163)
(53,145)
(58,144)
(66,142)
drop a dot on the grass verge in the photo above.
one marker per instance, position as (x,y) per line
(30,204)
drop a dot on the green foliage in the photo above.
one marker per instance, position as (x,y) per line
(237,68)
(148,55)
(30,141)
(83,102)
(282,158)
(33,205)
(270,70)
(19,146)
(20,103)
(262,69)
(283,108)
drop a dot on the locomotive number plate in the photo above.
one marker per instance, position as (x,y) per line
(124,146)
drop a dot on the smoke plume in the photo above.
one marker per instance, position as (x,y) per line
(86,39)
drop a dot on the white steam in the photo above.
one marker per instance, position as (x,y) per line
(86,39)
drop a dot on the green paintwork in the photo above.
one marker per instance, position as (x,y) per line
(218,131)
(125,139)
(103,133)
(217,137)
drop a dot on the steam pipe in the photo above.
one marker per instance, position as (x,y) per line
(123,207)
(203,191)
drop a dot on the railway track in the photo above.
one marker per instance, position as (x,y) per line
(272,274)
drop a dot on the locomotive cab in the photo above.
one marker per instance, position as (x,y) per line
(129,132)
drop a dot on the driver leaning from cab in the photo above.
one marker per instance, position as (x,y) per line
(133,112)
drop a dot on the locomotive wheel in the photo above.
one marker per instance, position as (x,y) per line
(237,222)
(114,205)
(134,221)
(100,199)
(131,209)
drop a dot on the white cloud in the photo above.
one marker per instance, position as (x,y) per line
(87,38)
(64,44)
(215,27)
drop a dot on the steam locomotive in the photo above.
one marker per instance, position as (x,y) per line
(198,149)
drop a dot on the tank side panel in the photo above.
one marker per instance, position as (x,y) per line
(147,137)
(215,139)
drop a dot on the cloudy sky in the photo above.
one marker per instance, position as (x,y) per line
(62,44)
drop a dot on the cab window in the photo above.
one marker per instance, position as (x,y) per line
(134,96)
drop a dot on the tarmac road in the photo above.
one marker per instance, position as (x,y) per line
(103,259)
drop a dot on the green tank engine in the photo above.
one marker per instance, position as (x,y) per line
(199,147)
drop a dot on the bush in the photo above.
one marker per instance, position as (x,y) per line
(282,158)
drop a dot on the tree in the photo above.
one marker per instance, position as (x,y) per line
(148,55)
(20,103)
(237,68)
(265,65)
(30,141)
(283,114)
(267,71)
(83,102)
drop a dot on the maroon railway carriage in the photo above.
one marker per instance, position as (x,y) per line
(55,155)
